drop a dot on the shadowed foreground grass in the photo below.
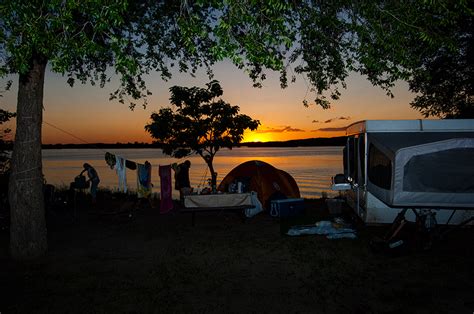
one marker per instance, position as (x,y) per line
(153,263)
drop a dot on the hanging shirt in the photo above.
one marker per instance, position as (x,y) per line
(110,160)
(130,165)
(166,202)
(121,172)
(144,180)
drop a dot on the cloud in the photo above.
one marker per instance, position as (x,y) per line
(337,118)
(315,121)
(331,129)
(284,129)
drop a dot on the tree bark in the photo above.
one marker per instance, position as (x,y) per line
(213,175)
(28,234)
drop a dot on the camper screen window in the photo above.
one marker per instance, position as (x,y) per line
(380,168)
(448,171)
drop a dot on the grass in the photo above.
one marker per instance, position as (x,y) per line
(153,263)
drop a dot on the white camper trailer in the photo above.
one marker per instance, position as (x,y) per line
(423,165)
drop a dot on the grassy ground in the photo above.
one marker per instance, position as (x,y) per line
(151,263)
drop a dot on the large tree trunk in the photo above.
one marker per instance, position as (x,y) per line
(28,226)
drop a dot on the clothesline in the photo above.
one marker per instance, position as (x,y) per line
(120,165)
(144,185)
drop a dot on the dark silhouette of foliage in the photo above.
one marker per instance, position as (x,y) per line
(445,82)
(201,123)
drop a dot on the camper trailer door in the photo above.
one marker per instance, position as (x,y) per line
(356,168)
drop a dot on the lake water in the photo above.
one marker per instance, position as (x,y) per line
(311,167)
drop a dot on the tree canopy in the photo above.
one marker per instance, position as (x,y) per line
(445,82)
(200,123)
(384,41)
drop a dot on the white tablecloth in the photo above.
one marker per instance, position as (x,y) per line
(218,200)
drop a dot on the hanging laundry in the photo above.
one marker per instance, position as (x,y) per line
(110,160)
(144,180)
(166,203)
(130,165)
(121,172)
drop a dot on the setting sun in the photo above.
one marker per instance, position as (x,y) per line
(252,136)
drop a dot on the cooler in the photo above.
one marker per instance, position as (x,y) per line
(289,207)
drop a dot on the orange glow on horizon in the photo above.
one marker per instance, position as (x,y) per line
(252,136)
(268,136)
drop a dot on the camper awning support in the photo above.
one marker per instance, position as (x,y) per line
(396,226)
(426,226)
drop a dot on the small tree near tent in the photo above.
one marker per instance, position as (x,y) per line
(201,123)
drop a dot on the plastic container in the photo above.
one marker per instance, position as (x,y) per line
(334,205)
(289,207)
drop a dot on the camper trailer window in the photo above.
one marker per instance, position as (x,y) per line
(448,171)
(380,168)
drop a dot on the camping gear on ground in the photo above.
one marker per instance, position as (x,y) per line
(252,211)
(80,182)
(334,205)
(261,177)
(329,229)
(290,207)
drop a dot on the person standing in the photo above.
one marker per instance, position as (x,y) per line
(93,179)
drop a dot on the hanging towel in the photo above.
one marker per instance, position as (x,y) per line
(144,180)
(110,160)
(130,165)
(166,203)
(121,172)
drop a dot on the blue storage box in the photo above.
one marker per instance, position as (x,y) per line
(289,207)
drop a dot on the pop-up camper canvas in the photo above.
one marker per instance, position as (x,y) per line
(419,164)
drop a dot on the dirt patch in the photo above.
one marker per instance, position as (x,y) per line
(127,258)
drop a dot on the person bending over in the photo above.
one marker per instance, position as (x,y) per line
(93,179)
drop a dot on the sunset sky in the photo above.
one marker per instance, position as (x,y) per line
(86,114)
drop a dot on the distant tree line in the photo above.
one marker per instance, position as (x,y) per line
(330,141)
(102,145)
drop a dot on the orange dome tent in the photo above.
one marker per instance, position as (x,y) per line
(262,178)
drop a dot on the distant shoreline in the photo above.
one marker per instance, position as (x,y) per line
(332,141)
(320,141)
